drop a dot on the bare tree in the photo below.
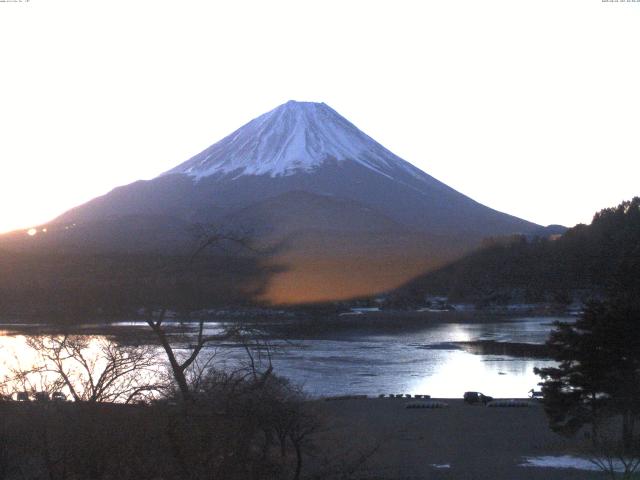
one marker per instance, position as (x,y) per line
(610,454)
(178,366)
(613,463)
(95,369)
(187,370)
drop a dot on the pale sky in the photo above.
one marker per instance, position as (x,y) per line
(530,107)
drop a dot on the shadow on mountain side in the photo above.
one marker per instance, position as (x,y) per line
(329,266)
(82,287)
(586,260)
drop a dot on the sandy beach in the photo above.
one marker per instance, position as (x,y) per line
(457,442)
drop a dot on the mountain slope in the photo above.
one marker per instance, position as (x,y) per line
(350,217)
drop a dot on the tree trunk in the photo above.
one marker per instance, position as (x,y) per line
(298,460)
(176,368)
(595,420)
(627,431)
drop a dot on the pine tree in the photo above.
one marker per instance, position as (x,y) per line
(598,375)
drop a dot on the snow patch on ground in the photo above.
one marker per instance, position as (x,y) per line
(565,461)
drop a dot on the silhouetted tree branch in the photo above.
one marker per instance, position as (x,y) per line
(95,369)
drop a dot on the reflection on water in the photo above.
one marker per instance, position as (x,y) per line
(406,362)
(372,363)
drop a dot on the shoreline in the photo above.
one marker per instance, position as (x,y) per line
(284,326)
(339,313)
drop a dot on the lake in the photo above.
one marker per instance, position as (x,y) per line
(417,362)
(420,360)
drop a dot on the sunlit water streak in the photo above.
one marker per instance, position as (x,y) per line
(361,362)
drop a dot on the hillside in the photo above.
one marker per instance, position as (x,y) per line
(585,260)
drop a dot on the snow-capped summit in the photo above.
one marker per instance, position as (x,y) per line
(294,137)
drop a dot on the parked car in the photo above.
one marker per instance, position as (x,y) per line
(536,395)
(41,396)
(476,397)
(22,396)
(58,397)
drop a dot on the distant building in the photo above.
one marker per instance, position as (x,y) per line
(364,309)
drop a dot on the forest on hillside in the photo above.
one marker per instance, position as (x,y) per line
(586,261)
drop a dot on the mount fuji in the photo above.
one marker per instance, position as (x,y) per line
(353,218)
(293,138)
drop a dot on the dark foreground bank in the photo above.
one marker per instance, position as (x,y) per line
(355,438)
